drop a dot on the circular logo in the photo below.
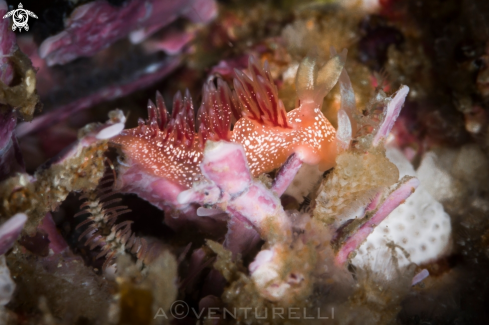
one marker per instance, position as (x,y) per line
(179,309)
(20,17)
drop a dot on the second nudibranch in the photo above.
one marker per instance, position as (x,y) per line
(167,147)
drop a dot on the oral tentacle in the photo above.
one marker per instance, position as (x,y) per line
(348,104)
(344,132)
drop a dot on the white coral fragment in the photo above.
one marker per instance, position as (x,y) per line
(275,278)
(418,231)
(110,131)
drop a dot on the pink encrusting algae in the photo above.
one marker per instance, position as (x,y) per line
(10,157)
(232,189)
(93,26)
(7,47)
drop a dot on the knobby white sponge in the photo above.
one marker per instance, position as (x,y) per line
(417,231)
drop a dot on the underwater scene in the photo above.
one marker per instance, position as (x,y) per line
(244,162)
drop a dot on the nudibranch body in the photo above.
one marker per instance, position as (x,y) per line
(169,148)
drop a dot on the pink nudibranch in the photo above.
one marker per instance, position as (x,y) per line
(168,147)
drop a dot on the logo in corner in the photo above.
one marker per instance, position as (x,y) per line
(20,17)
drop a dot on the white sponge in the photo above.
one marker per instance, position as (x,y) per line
(417,231)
